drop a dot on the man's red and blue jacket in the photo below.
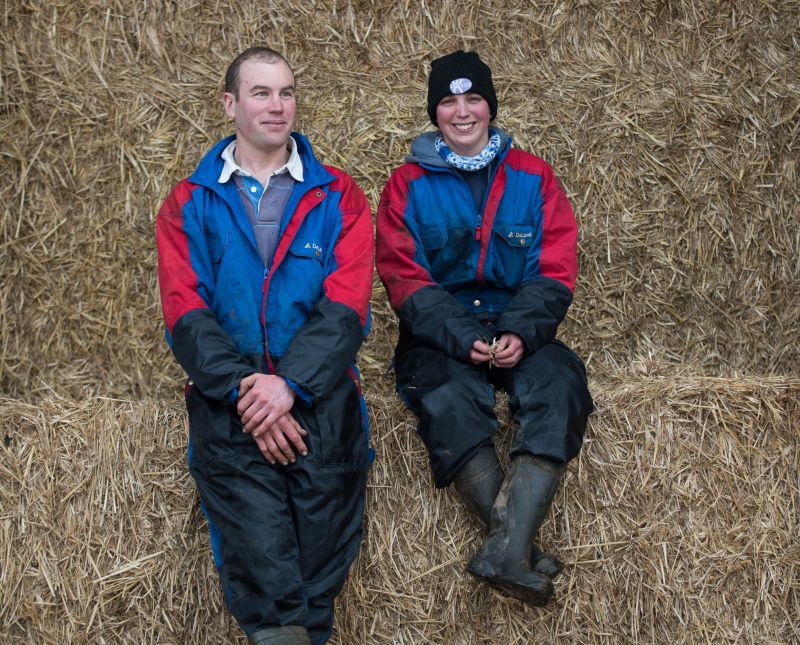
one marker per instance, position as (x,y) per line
(227,315)
(448,266)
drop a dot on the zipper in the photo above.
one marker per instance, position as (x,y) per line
(272,266)
(489,178)
(264,288)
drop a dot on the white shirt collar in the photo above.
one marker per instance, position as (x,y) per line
(294,166)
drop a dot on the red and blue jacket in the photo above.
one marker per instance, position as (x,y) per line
(228,315)
(448,266)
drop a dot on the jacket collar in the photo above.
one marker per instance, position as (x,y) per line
(423,150)
(294,166)
(211,165)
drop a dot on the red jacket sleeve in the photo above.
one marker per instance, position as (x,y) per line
(431,313)
(396,260)
(541,301)
(351,283)
(558,258)
(204,350)
(179,282)
(326,344)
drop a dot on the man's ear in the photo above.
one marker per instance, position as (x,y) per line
(228,102)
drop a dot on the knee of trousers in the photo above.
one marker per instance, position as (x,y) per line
(454,419)
(552,407)
(456,399)
(329,530)
(256,549)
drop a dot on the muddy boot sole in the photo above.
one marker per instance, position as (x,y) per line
(530,587)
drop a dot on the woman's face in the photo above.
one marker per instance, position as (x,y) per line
(464,122)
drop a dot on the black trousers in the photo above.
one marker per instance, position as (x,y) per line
(454,402)
(283,537)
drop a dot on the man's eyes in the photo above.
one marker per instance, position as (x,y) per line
(284,94)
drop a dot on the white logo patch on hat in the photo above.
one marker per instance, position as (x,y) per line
(460,85)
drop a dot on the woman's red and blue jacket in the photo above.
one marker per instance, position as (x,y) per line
(227,315)
(447,266)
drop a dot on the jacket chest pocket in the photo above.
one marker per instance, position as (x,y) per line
(448,252)
(305,271)
(226,264)
(217,245)
(513,245)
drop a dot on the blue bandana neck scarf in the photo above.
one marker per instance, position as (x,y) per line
(479,161)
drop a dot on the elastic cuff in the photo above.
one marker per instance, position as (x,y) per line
(305,397)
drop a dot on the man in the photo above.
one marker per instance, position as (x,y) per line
(265,271)
(477,251)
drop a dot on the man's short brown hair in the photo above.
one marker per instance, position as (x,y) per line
(261,53)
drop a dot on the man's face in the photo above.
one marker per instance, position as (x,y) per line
(265,110)
(464,122)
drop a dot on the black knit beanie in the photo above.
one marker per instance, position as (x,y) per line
(459,73)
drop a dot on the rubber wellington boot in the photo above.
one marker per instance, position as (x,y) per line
(289,635)
(479,481)
(477,484)
(517,515)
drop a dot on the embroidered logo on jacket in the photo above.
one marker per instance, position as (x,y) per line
(313,245)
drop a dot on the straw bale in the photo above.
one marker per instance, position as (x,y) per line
(672,126)
(678,523)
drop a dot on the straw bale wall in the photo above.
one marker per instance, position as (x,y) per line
(673,127)
(678,523)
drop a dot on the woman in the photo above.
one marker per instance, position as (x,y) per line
(477,251)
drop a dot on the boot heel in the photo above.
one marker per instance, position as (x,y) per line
(528,586)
